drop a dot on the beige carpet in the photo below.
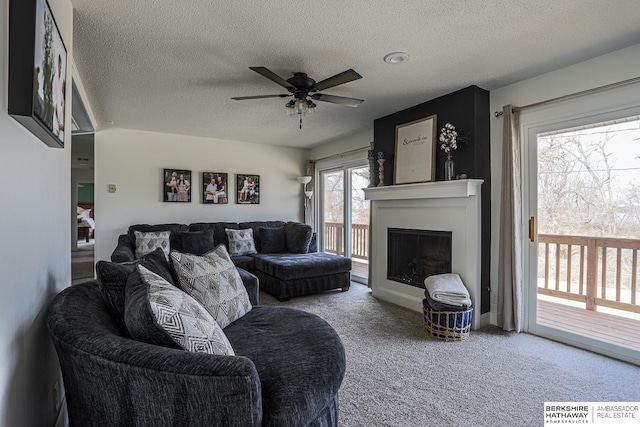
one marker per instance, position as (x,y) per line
(397,376)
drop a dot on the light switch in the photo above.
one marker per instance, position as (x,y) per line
(112,188)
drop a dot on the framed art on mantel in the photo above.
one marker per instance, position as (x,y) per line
(415,151)
(37,71)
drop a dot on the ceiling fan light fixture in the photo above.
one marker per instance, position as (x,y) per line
(396,58)
(311,107)
(291,108)
(300,107)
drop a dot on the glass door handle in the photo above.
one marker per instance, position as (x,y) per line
(532,229)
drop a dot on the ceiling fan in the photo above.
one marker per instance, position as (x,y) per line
(305,90)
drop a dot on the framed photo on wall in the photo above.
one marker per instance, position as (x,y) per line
(247,189)
(415,151)
(176,185)
(214,188)
(37,71)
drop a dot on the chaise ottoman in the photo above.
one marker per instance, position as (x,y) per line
(286,275)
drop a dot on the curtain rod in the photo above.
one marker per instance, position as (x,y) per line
(573,95)
(342,154)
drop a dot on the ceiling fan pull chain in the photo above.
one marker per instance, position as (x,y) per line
(300,121)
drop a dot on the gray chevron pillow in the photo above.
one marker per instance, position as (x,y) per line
(158,313)
(213,280)
(149,241)
(241,242)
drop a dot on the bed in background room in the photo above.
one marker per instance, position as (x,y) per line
(86,222)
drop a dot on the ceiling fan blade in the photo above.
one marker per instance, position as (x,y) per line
(241,98)
(343,100)
(265,72)
(338,79)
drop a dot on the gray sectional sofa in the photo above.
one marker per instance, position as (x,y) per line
(286,260)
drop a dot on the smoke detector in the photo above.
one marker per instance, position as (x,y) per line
(396,58)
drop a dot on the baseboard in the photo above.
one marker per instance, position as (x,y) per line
(62,420)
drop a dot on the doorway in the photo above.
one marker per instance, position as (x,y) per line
(83,209)
(585,235)
(344,216)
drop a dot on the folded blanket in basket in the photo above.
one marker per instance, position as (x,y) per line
(440,306)
(447,289)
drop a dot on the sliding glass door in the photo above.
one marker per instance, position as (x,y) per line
(584,273)
(344,216)
(332,210)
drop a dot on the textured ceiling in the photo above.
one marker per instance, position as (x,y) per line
(172,66)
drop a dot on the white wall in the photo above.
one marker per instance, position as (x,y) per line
(35,261)
(134,161)
(610,68)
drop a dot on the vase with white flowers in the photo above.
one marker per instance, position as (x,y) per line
(448,143)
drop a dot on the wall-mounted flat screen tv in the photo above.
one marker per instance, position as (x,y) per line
(37,71)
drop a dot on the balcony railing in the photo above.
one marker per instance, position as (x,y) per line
(597,271)
(334,239)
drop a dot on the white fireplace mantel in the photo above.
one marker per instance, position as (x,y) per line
(438,206)
(427,190)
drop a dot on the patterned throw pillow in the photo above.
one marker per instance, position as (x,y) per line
(241,242)
(149,241)
(158,313)
(214,282)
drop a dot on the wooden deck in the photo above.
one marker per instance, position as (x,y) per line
(602,326)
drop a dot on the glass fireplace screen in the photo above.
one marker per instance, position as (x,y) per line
(414,255)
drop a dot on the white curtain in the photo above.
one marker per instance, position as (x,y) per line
(309,213)
(510,292)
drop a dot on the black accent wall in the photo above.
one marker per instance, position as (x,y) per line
(468,110)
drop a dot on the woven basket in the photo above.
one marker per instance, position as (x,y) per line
(447,325)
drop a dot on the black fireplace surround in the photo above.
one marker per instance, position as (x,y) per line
(468,110)
(414,255)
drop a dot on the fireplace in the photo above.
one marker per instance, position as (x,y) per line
(443,210)
(413,255)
